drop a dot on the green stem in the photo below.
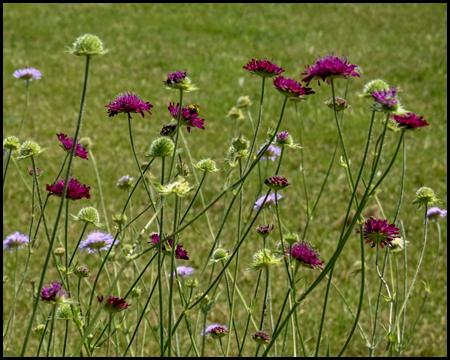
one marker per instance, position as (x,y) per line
(8,157)
(109,335)
(52,327)
(403,180)
(27,82)
(78,244)
(279,162)
(102,201)
(302,167)
(180,108)
(195,196)
(160,264)
(264,307)
(66,234)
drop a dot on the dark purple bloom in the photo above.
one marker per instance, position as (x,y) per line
(265,231)
(329,67)
(128,103)
(188,118)
(291,88)
(216,332)
(261,337)
(27,74)
(409,121)
(435,213)
(276,182)
(306,255)
(113,305)
(180,254)
(67,143)
(175,78)
(386,98)
(263,68)
(75,190)
(379,231)
(282,137)
(52,293)
(15,241)
(168,130)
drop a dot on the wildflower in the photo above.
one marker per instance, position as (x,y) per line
(306,255)
(53,293)
(75,190)
(435,213)
(98,241)
(113,305)
(208,329)
(39,330)
(207,165)
(192,283)
(285,139)
(215,331)
(168,130)
(28,149)
(88,215)
(28,74)
(271,152)
(263,68)
(179,81)
(11,143)
(59,252)
(386,100)
(219,255)
(329,67)
(397,245)
(184,271)
(87,45)
(81,272)
(341,104)
(188,118)
(128,103)
(161,147)
(373,86)
(180,254)
(276,183)
(235,114)
(426,196)
(125,182)
(67,143)
(291,88)
(240,143)
(243,102)
(409,121)
(136,292)
(183,169)
(179,187)
(269,202)
(291,238)
(265,231)
(15,241)
(264,258)
(379,231)
(261,337)
(39,172)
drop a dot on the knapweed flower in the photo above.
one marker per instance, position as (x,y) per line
(208,329)
(87,45)
(306,255)
(67,143)
(426,196)
(216,331)
(81,272)
(188,118)
(264,258)
(435,213)
(53,294)
(39,172)
(219,255)
(15,241)
(207,165)
(276,183)
(88,215)
(180,254)
(28,74)
(341,104)
(269,202)
(235,114)
(179,81)
(184,271)
(97,241)
(291,88)
(243,102)
(263,68)
(128,103)
(265,231)
(271,152)
(28,149)
(113,305)
(11,143)
(75,190)
(379,231)
(386,100)
(125,182)
(261,337)
(409,121)
(373,86)
(168,130)
(329,67)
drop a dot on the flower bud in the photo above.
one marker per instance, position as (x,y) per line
(265,231)
(240,143)
(243,102)
(5,279)
(425,196)
(161,147)
(235,114)
(11,143)
(261,337)
(87,45)
(219,255)
(207,165)
(276,183)
(341,104)
(291,238)
(119,218)
(136,292)
(125,182)
(65,312)
(127,248)
(39,330)
(192,283)
(28,149)
(179,81)
(86,142)
(88,215)
(39,172)
(59,252)
(81,272)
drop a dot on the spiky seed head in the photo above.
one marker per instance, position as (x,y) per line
(28,149)
(161,147)
(426,196)
(86,142)
(240,143)
(87,45)
(11,143)
(88,215)
(207,165)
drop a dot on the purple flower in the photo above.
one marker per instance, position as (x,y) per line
(27,74)
(39,172)
(184,271)
(433,214)
(208,329)
(379,231)
(216,331)
(75,190)
(261,337)
(329,67)
(282,137)
(67,143)
(125,182)
(263,68)
(113,305)
(175,78)
(15,241)
(269,202)
(5,153)
(97,241)
(53,293)
(306,255)
(409,121)
(271,153)
(189,118)
(291,88)
(277,182)
(386,98)
(180,254)
(128,103)
(265,231)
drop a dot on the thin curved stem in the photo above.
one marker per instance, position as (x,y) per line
(279,162)
(180,108)
(8,157)
(78,244)
(27,82)
(102,200)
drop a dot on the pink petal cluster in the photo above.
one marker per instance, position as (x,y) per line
(53,292)
(67,143)
(291,88)
(306,254)
(180,254)
(189,118)
(128,103)
(263,68)
(379,231)
(409,121)
(75,190)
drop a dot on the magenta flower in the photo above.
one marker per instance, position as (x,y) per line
(113,305)
(435,213)
(271,152)
(15,241)
(75,190)
(386,98)
(128,103)
(291,88)
(175,78)
(329,67)
(306,255)
(379,231)
(180,254)
(67,143)
(409,121)
(276,182)
(189,118)
(282,137)
(53,293)
(27,74)
(265,231)
(263,68)
(270,201)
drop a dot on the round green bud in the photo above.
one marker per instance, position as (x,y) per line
(81,272)
(243,102)
(38,330)
(86,142)
(235,114)
(89,215)
(220,254)
(291,238)
(372,86)
(90,336)
(192,283)
(264,258)
(425,196)
(65,312)
(136,292)
(11,143)
(161,147)
(240,143)
(119,218)
(127,248)
(87,45)
(28,149)
(207,165)
(206,300)
(59,252)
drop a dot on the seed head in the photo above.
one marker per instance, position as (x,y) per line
(207,165)
(426,196)
(87,45)
(161,147)
(373,86)
(291,238)
(219,255)
(28,149)
(235,114)
(243,102)
(88,215)
(11,143)
(341,104)
(136,292)
(192,283)
(59,252)
(263,259)
(240,143)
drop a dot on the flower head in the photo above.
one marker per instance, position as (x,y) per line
(39,172)
(386,100)
(75,190)
(161,147)
(183,169)
(276,182)
(265,231)
(97,241)
(179,81)
(180,254)
(291,88)
(264,258)
(59,252)
(341,104)
(243,102)
(306,255)
(207,165)
(27,74)
(128,103)
(240,143)
(28,149)
(53,293)
(113,305)
(263,68)
(168,130)
(188,118)
(271,152)
(208,329)
(215,331)
(219,255)
(86,142)
(409,121)
(125,182)
(269,202)
(397,245)
(180,187)
(87,45)
(15,241)
(435,213)
(373,86)
(329,67)
(235,114)
(261,337)
(88,215)
(284,139)
(184,271)
(426,196)
(11,143)
(379,231)
(67,143)
(81,272)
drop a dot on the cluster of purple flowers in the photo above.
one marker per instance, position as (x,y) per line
(180,254)
(189,117)
(53,293)
(128,103)
(175,78)
(215,331)
(75,190)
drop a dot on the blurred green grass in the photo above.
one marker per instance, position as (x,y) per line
(406,45)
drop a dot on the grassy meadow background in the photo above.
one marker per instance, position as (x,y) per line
(405,45)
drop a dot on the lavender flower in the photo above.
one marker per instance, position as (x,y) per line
(263,68)
(184,271)
(97,241)
(291,88)
(269,202)
(53,293)
(128,103)
(379,231)
(188,118)
(435,213)
(27,74)
(67,143)
(75,190)
(306,255)
(208,329)
(125,182)
(409,121)
(113,305)
(271,152)
(15,241)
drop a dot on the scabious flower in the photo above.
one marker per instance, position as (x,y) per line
(284,139)
(264,258)
(216,331)
(269,202)
(179,81)
(113,305)
(184,271)
(97,241)
(15,241)
(161,147)
(75,190)
(208,329)
(372,86)
(88,215)
(435,213)
(341,104)
(409,121)
(240,143)
(128,103)
(379,231)
(180,187)
(125,182)
(261,337)
(81,272)
(386,100)
(426,196)
(180,254)
(10,143)
(306,255)
(207,165)
(175,78)
(219,255)
(329,67)
(271,152)
(28,74)
(263,68)
(265,231)
(53,294)
(87,45)
(28,149)
(291,88)
(188,118)
(67,143)
(39,172)
(276,182)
